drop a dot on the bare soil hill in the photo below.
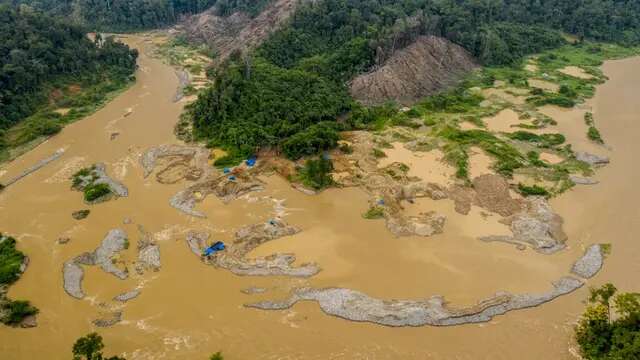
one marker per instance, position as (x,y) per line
(430,64)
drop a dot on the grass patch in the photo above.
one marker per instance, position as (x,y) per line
(544,140)
(508,157)
(534,190)
(374,212)
(592,133)
(378,154)
(94,192)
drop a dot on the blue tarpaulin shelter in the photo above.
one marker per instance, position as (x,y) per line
(218,246)
(251,161)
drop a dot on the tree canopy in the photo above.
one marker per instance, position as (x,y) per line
(37,50)
(119,15)
(610,327)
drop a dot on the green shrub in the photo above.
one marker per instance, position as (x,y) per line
(316,173)
(233,157)
(455,101)
(216,356)
(16,311)
(508,157)
(544,140)
(10,260)
(594,134)
(588,119)
(534,190)
(377,153)
(374,212)
(96,191)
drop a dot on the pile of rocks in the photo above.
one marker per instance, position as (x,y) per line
(73,273)
(356,306)
(536,225)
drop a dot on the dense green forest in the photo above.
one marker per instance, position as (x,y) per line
(40,55)
(119,15)
(131,15)
(297,77)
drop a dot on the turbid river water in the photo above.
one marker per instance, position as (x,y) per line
(188,310)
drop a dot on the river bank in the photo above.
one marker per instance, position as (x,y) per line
(186,310)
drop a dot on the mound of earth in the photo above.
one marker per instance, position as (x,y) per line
(428,65)
(237,31)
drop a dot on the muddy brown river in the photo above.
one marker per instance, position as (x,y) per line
(188,310)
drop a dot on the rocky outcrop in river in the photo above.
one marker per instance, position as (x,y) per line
(114,242)
(590,263)
(233,258)
(356,306)
(225,187)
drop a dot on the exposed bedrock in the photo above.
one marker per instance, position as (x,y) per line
(233,258)
(222,186)
(356,306)
(73,273)
(590,263)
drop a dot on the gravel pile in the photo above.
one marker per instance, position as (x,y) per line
(591,159)
(124,297)
(536,225)
(356,306)
(590,263)
(73,273)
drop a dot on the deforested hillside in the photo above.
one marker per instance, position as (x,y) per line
(226,29)
(423,68)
